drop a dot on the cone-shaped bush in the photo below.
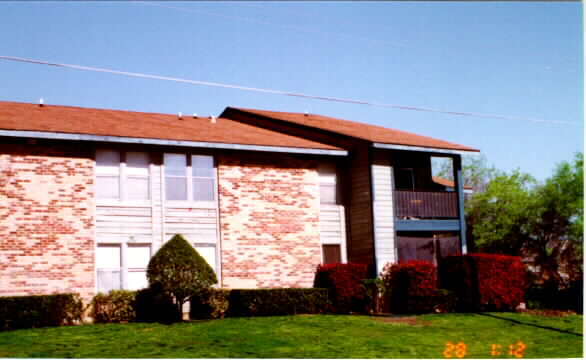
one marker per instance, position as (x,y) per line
(178,270)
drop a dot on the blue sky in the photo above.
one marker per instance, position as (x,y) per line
(515,59)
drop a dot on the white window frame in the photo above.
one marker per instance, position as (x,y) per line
(189,178)
(124,269)
(123,178)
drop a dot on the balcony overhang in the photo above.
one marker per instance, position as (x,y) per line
(424,149)
(427,225)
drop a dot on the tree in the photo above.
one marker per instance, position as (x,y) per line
(475,171)
(541,222)
(498,217)
(557,231)
(179,271)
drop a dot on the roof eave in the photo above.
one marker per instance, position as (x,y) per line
(425,149)
(168,142)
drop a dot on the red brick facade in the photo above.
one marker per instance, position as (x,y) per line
(46,220)
(269,221)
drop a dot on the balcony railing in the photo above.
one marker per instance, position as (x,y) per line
(426,204)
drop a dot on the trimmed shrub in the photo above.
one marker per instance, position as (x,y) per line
(22,312)
(211,304)
(485,281)
(180,271)
(344,282)
(154,305)
(215,304)
(412,287)
(115,307)
(268,302)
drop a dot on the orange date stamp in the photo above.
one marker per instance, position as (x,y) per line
(460,350)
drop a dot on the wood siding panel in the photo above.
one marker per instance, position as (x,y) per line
(361,245)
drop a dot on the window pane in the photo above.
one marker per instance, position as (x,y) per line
(108,280)
(137,188)
(202,166)
(107,162)
(137,280)
(108,257)
(203,189)
(208,253)
(175,164)
(138,256)
(107,187)
(327,193)
(137,163)
(176,188)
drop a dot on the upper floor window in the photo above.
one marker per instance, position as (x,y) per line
(327,184)
(189,177)
(122,175)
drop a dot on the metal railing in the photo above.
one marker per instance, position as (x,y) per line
(426,204)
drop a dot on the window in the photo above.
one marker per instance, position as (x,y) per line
(122,175)
(189,177)
(208,252)
(122,266)
(138,257)
(327,184)
(426,246)
(175,177)
(109,265)
(107,174)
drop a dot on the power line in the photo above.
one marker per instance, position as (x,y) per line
(279,92)
(263,22)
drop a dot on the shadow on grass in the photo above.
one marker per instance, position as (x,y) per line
(529,324)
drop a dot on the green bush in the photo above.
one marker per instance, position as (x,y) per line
(22,312)
(115,307)
(211,304)
(180,271)
(267,302)
(217,303)
(154,305)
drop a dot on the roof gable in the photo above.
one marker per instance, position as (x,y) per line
(371,133)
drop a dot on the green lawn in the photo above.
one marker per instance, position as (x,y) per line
(307,336)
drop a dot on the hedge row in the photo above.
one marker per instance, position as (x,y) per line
(259,302)
(150,305)
(147,305)
(20,312)
(485,281)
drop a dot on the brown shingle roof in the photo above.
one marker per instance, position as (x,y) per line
(373,133)
(447,183)
(78,120)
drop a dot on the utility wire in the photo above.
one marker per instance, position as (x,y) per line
(279,92)
(263,22)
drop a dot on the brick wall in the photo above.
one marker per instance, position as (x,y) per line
(46,220)
(269,220)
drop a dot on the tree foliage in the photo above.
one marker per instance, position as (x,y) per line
(541,222)
(475,171)
(180,271)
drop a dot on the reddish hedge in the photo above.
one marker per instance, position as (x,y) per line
(485,281)
(344,282)
(412,286)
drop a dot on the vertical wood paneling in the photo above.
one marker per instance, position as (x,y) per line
(360,244)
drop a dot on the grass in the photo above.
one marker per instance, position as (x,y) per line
(306,336)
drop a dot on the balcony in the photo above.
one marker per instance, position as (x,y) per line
(425,204)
